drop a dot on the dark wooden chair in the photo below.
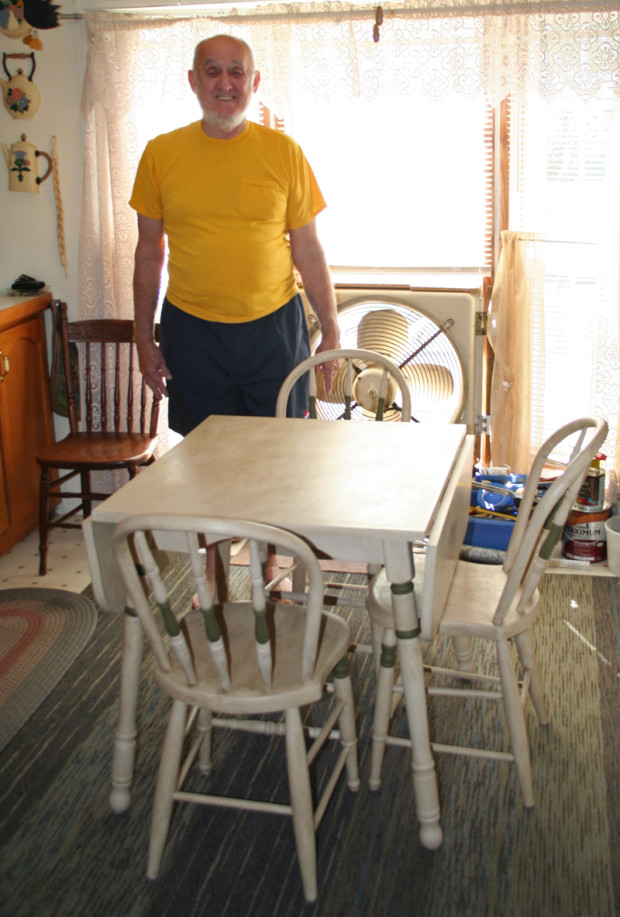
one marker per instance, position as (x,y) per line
(113,417)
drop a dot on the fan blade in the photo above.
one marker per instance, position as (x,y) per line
(435,380)
(384,331)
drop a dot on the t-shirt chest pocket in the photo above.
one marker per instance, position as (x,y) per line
(261,200)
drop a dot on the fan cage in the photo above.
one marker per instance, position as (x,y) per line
(417,343)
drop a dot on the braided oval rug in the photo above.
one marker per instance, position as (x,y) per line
(42,632)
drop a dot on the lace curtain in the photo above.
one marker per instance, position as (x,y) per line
(136,84)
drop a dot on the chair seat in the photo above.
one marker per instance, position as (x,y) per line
(249,694)
(104,450)
(470,606)
(473,600)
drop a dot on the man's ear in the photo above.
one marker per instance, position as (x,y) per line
(192,79)
(256,82)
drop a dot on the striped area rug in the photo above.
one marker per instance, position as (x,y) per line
(64,852)
(42,632)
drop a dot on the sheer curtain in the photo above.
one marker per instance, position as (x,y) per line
(518,296)
(136,84)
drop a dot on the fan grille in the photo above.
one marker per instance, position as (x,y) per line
(415,342)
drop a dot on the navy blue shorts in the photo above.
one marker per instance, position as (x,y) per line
(226,368)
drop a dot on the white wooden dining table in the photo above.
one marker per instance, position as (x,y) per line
(361,492)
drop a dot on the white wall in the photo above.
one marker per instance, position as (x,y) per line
(28,243)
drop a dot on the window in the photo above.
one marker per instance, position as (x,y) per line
(408,184)
(565,185)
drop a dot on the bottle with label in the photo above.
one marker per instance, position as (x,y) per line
(591,497)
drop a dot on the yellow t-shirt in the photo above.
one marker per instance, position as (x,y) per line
(227,206)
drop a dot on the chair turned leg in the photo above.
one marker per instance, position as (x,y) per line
(301,801)
(43,517)
(383,706)
(376,631)
(167,777)
(464,652)
(346,720)
(205,730)
(85,485)
(516,721)
(124,748)
(528,661)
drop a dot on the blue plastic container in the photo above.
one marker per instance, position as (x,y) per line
(489,533)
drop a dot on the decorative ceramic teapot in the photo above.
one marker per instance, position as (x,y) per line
(21,161)
(21,96)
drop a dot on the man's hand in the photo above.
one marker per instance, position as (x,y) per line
(153,368)
(330,367)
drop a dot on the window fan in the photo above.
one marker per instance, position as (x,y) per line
(420,345)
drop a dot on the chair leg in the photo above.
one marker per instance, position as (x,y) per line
(464,652)
(346,720)
(516,721)
(529,663)
(43,520)
(383,706)
(124,748)
(376,631)
(301,801)
(205,729)
(167,778)
(85,485)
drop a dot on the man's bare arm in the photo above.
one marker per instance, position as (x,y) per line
(149,259)
(309,259)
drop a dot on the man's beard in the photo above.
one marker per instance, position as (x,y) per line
(224,123)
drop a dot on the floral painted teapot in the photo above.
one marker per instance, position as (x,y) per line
(21,96)
(21,161)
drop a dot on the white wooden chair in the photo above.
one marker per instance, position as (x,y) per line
(237,660)
(496,603)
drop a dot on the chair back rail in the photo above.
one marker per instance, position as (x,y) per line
(350,359)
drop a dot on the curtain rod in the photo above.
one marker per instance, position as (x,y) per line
(490,8)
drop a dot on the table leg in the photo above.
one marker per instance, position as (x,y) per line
(125,735)
(399,570)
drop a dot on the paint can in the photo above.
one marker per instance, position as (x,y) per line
(584,536)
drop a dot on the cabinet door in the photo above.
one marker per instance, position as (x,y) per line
(25,420)
(4,502)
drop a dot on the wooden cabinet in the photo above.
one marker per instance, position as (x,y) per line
(25,414)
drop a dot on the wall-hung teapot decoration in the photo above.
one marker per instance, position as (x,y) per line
(22,163)
(21,96)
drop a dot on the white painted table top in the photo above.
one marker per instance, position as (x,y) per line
(381,481)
